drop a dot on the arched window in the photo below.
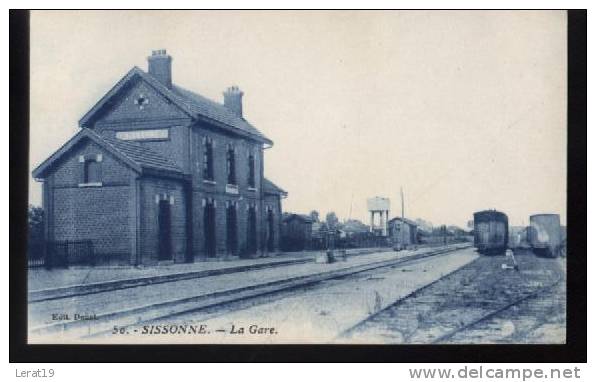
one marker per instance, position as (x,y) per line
(92,169)
(231,164)
(91,174)
(208,159)
(251,171)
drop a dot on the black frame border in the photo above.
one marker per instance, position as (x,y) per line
(574,351)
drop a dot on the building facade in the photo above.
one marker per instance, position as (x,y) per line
(402,232)
(158,173)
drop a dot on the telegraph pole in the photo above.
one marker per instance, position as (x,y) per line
(401,191)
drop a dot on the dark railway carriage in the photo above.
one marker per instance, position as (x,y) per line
(491,232)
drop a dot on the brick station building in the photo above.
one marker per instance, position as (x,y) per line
(159,174)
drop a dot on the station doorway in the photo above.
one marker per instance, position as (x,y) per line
(209,228)
(232,224)
(165,230)
(251,240)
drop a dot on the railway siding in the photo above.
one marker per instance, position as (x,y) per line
(535,319)
(474,296)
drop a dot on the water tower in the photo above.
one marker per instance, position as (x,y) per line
(379,206)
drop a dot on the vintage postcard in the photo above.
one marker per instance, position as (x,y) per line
(297,177)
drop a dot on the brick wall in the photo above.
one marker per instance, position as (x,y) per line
(69,172)
(273,202)
(217,191)
(221,223)
(157,113)
(152,190)
(155,107)
(242,149)
(100,214)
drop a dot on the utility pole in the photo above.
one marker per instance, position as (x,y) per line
(401,191)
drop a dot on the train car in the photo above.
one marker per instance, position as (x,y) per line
(544,234)
(491,232)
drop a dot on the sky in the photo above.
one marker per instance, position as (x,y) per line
(466,110)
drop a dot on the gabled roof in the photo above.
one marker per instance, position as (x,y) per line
(134,155)
(271,188)
(194,105)
(143,156)
(205,107)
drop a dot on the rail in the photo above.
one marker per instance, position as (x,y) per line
(221,299)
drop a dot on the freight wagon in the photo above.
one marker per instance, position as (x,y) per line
(491,232)
(544,234)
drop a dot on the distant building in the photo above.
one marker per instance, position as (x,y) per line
(296,232)
(402,232)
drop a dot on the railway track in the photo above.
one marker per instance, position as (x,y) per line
(448,336)
(219,300)
(458,302)
(376,316)
(520,319)
(49,294)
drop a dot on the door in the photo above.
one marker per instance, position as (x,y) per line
(232,236)
(270,231)
(252,231)
(209,230)
(165,230)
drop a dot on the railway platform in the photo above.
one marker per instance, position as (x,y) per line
(44,284)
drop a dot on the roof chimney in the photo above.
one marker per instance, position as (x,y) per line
(160,66)
(233,100)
